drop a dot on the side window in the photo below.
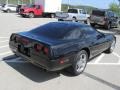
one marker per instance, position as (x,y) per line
(80,11)
(89,31)
(74,34)
(38,7)
(72,11)
(11,5)
(110,14)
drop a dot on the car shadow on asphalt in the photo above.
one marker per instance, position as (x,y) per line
(115,87)
(33,72)
(30,71)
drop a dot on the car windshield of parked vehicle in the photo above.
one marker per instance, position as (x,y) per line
(31,6)
(72,11)
(56,31)
(98,13)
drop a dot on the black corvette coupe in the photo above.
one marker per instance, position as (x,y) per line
(59,45)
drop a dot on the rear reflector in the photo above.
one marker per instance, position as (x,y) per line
(61,61)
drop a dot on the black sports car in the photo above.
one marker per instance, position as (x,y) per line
(58,45)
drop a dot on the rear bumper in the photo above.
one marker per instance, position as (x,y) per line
(25,14)
(50,65)
(98,23)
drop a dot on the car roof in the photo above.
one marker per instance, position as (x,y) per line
(71,24)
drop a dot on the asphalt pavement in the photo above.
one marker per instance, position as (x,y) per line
(102,72)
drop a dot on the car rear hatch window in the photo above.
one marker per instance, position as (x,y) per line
(98,13)
(53,31)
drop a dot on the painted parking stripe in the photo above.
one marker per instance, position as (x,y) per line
(116,54)
(4,41)
(5,53)
(3,37)
(4,46)
(104,64)
(99,58)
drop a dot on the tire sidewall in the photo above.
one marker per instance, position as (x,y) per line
(31,15)
(74,19)
(76,60)
(8,10)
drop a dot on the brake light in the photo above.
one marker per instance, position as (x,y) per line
(46,51)
(25,41)
(38,47)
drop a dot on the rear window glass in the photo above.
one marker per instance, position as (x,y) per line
(98,13)
(52,30)
(72,11)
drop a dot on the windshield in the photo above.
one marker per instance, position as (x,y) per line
(52,30)
(30,6)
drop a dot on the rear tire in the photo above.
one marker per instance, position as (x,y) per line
(60,20)
(52,15)
(8,11)
(31,15)
(79,64)
(74,19)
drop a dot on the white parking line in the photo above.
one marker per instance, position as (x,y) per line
(117,56)
(103,63)
(4,41)
(3,37)
(1,54)
(99,58)
(4,46)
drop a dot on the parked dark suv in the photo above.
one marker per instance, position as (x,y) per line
(104,18)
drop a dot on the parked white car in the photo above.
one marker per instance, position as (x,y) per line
(73,15)
(9,8)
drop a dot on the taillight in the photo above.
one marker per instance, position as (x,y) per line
(41,48)
(25,41)
(46,51)
(38,47)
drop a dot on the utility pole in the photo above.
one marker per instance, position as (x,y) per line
(119,2)
(7,1)
(68,4)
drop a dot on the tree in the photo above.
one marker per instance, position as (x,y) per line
(115,8)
